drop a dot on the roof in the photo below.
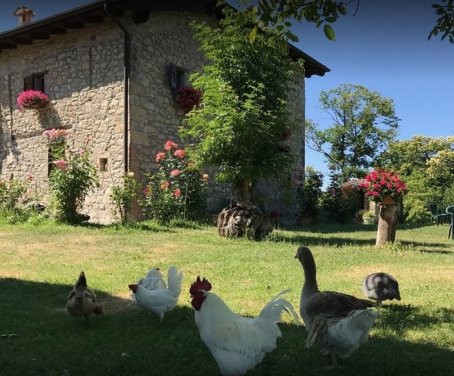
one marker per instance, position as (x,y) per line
(77,18)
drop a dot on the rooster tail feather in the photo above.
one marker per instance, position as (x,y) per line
(174,279)
(273,310)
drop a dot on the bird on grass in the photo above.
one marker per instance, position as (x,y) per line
(154,295)
(338,322)
(81,300)
(381,286)
(236,343)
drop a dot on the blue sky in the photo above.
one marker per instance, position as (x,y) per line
(384,47)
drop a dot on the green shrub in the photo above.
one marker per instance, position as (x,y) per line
(11,192)
(123,196)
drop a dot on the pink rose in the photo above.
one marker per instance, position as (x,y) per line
(160,156)
(180,153)
(175,173)
(61,164)
(177,192)
(169,145)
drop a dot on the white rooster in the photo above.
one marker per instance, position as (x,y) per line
(152,293)
(237,343)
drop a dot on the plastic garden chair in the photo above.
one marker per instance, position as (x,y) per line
(437,215)
(450,212)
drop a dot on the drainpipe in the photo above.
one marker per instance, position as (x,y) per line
(127,69)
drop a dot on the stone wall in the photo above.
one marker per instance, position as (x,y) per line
(85,85)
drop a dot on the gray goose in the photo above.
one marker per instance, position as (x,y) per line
(338,322)
(381,286)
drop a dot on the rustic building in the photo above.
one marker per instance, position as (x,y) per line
(110,70)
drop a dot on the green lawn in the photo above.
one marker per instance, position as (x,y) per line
(39,264)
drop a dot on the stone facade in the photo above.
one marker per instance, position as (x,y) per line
(84,78)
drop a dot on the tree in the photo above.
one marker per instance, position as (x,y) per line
(364,123)
(277,13)
(427,166)
(445,21)
(244,114)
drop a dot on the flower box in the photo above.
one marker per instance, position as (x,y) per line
(32,100)
(188,97)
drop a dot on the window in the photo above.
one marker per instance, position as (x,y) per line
(102,164)
(34,82)
(176,76)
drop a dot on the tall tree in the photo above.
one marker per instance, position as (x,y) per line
(244,113)
(364,123)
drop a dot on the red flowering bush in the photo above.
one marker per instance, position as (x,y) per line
(380,184)
(176,190)
(32,99)
(188,97)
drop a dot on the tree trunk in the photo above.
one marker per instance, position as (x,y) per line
(387,223)
(243,219)
(242,190)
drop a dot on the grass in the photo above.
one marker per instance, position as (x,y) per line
(39,264)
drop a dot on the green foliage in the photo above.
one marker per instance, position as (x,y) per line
(276,14)
(11,192)
(364,123)
(445,22)
(309,193)
(245,89)
(338,207)
(176,190)
(426,164)
(72,177)
(123,196)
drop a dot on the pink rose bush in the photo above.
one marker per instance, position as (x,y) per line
(176,189)
(32,99)
(380,184)
(72,175)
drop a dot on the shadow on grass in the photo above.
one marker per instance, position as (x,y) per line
(45,340)
(332,236)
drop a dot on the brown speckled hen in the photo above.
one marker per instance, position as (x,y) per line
(82,300)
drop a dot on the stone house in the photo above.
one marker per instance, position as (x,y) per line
(110,70)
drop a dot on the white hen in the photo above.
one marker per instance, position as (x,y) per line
(237,343)
(153,295)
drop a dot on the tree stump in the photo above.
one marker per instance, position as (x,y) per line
(243,219)
(387,224)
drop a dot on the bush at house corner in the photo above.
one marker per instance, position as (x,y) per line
(32,99)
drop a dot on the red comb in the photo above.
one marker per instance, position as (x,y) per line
(200,284)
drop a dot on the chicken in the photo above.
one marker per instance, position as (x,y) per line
(158,300)
(237,343)
(381,286)
(82,300)
(152,281)
(338,322)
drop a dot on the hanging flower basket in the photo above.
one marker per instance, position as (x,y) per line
(188,97)
(32,100)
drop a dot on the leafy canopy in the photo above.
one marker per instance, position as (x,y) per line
(278,13)
(364,123)
(244,114)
